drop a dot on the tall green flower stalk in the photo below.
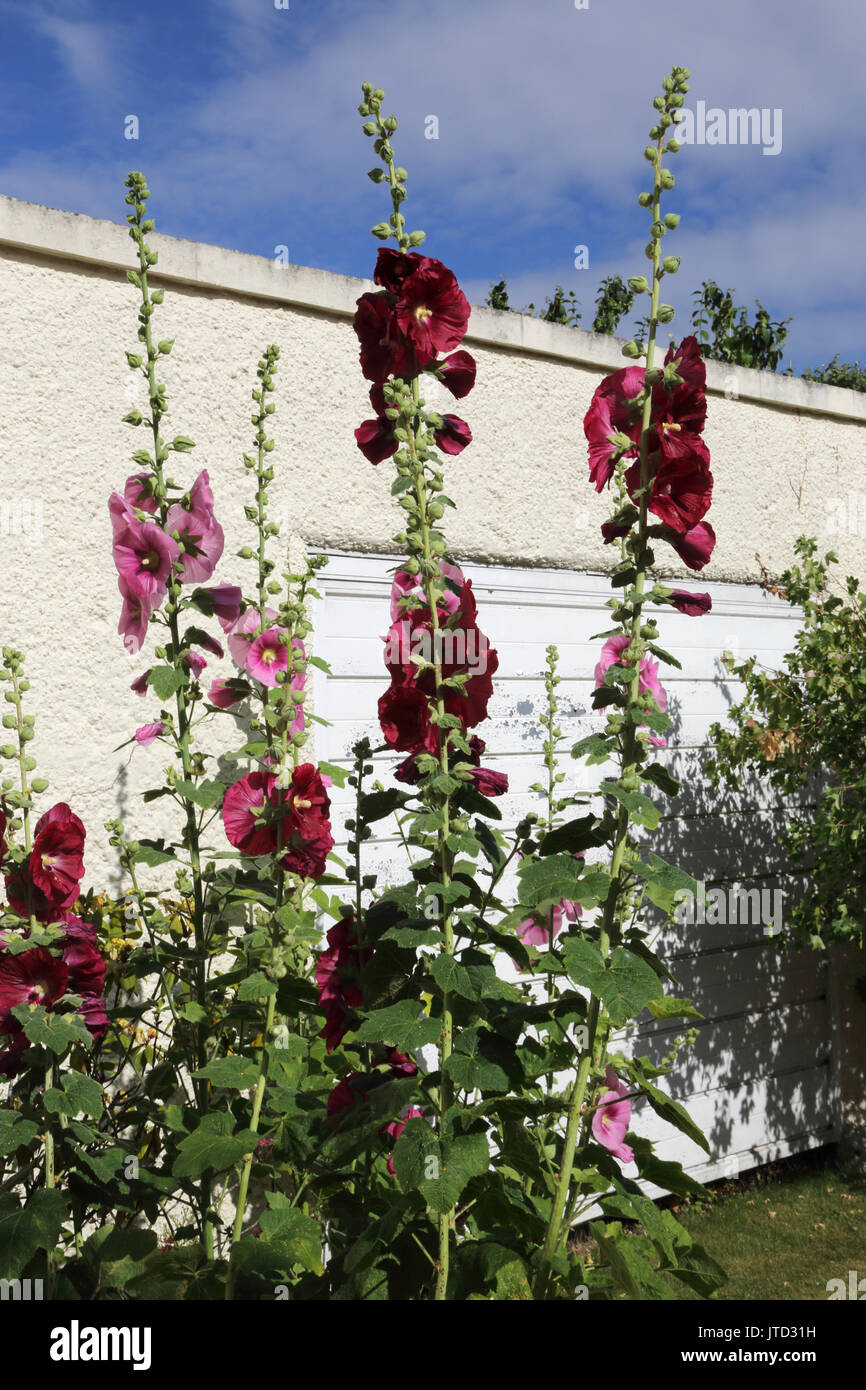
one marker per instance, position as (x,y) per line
(625,724)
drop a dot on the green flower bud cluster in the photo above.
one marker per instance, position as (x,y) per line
(380,130)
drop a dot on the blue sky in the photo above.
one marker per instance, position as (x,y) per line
(250,138)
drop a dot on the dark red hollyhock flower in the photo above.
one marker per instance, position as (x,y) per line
(31,977)
(261,818)
(56,862)
(682,487)
(687,405)
(453,435)
(92,1011)
(693,605)
(401,1063)
(375,438)
(343,1097)
(384,350)
(243,807)
(10,1057)
(338,973)
(488,782)
(308,858)
(83,961)
(404,716)
(694,547)
(610,412)
(457,373)
(393,267)
(432,310)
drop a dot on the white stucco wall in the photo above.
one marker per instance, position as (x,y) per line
(779,450)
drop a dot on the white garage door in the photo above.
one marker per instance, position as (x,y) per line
(761,1079)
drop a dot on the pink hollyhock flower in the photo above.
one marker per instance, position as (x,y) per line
(535,931)
(194,663)
(149,733)
(242,633)
(139,685)
(223,601)
(143,554)
(453,435)
(457,373)
(268,656)
(693,605)
(138,493)
(32,977)
(200,532)
(224,694)
(395,1129)
(432,311)
(610,1121)
(264,1150)
(648,681)
(134,618)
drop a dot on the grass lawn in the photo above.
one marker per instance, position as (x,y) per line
(783,1231)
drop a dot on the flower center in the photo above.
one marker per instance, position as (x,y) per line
(150,561)
(422,313)
(302,805)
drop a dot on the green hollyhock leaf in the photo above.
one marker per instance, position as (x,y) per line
(54,1031)
(624,983)
(640,808)
(671,1177)
(296,1234)
(401,1025)
(255,986)
(439,1172)
(81,1095)
(623,1255)
(572,837)
(674,1113)
(24,1230)
(665,884)
(14,1131)
(204,794)
(213,1145)
(473,1063)
(165,680)
(152,853)
(236,1073)
(669,1007)
(545,882)
(376,805)
(661,778)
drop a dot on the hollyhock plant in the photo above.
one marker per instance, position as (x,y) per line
(611,1117)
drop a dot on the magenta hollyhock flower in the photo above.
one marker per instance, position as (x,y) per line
(535,931)
(138,492)
(134,618)
(432,311)
(139,685)
(395,1129)
(404,717)
(264,1150)
(268,656)
(648,682)
(401,1063)
(149,733)
(457,373)
(694,547)
(242,812)
(488,782)
(31,977)
(453,435)
(224,602)
(225,693)
(143,553)
(194,663)
(693,605)
(610,1121)
(204,640)
(82,959)
(611,411)
(199,531)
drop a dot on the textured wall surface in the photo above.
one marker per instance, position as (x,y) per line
(780,450)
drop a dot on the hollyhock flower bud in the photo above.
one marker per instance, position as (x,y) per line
(134,618)
(611,1119)
(692,605)
(149,733)
(199,530)
(194,663)
(223,601)
(139,685)
(204,640)
(3,824)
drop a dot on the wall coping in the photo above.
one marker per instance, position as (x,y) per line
(30,227)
